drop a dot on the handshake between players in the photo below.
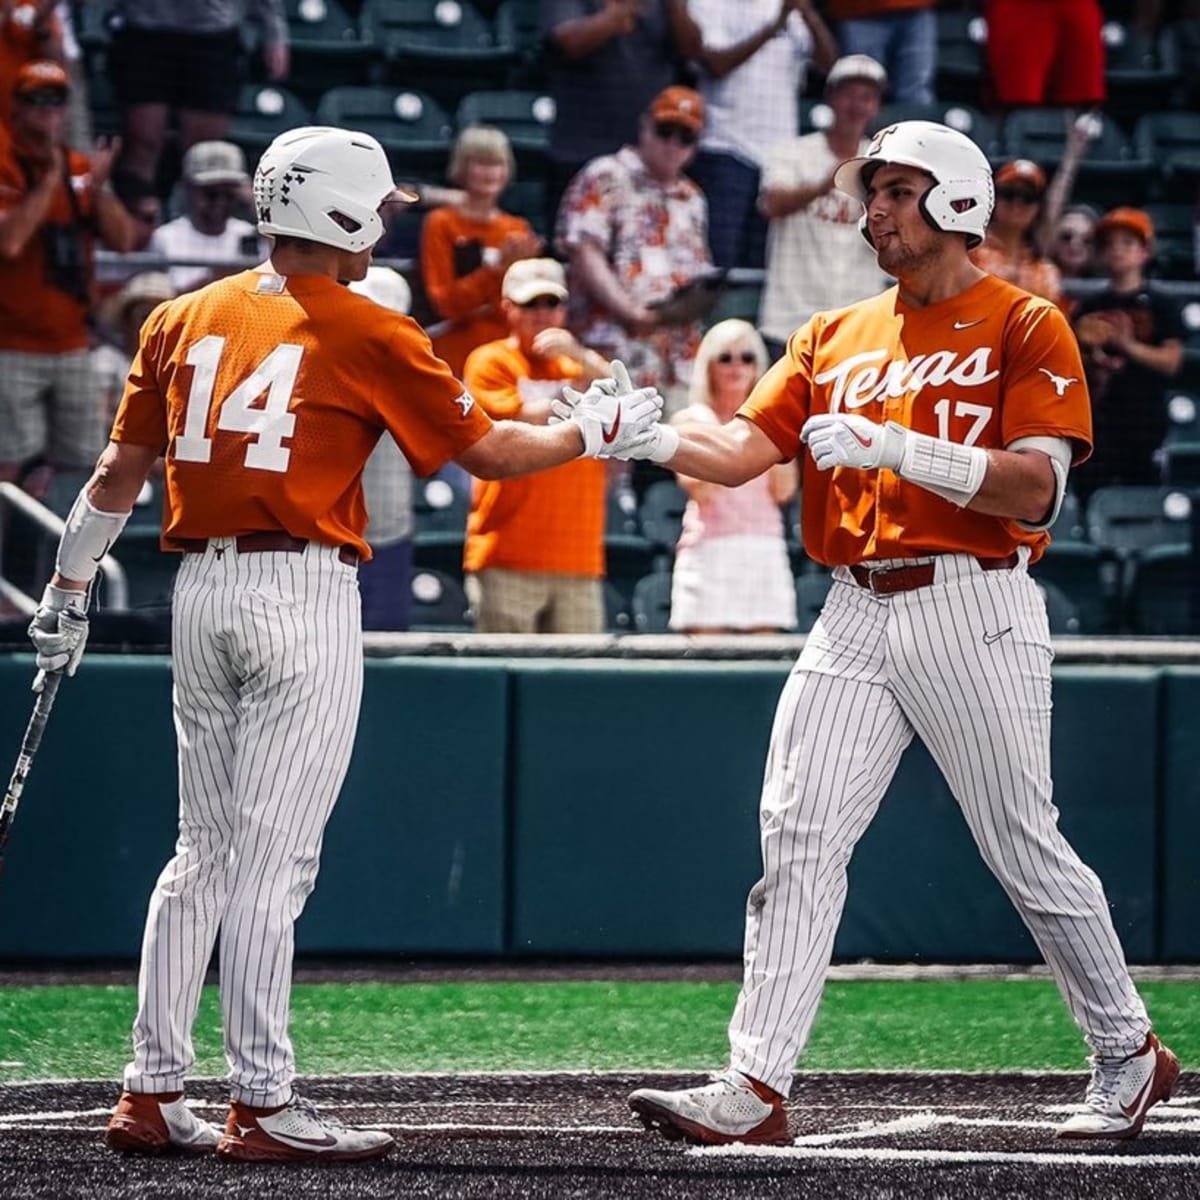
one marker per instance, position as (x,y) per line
(618,420)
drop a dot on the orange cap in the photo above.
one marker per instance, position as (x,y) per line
(679,105)
(1132,220)
(1022,170)
(42,74)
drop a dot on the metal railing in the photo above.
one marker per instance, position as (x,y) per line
(117,591)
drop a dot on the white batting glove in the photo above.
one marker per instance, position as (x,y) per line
(611,414)
(845,440)
(658,444)
(59,630)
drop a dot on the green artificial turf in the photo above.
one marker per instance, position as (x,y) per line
(966,1025)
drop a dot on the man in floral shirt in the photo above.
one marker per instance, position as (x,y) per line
(635,229)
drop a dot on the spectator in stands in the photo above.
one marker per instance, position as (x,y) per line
(119,320)
(29,30)
(605,61)
(1132,338)
(534,555)
(385,581)
(752,57)
(732,573)
(1072,242)
(177,56)
(466,247)
(54,202)
(900,35)
(816,257)
(1047,52)
(636,229)
(1011,248)
(215,184)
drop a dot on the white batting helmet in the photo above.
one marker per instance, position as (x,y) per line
(324,185)
(962,195)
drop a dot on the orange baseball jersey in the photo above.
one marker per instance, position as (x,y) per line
(983,368)
(552,521)
(267,394)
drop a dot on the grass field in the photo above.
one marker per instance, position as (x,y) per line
(82,1032)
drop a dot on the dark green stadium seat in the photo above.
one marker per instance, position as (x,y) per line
(1139,71)
(410,125)
(737,300)
(1069,524)
(1174,240)
(1088,576)
(1159,597)
(629,557)
(980,129)
(1061,610)
(1129,519)
(520,22)
(439,604)
(811,590)
(438,507)
(652,603)
(814,115)
(617,617)
(1181,467)
(525,117)
(961,37)
(1183,413)
(328,48)
(620,512)
(1171,142)
(661,513)
(264,111)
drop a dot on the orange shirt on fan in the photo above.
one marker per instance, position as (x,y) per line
(35,316)
(267,394)
(1026,268)
(462,287)
(552,521)
(983,368)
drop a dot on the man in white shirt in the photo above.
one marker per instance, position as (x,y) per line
(752,55)
(215,180)
(816,257)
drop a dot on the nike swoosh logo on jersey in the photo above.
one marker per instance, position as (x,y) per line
(969,324)
(303,1143)
(865,442)
(989,638)
(610,435)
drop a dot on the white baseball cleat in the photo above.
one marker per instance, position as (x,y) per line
(1121,1092)
(297,1132)
(733,1108)
(148,1124)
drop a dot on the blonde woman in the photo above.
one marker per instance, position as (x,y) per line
(731,564)
(466,247)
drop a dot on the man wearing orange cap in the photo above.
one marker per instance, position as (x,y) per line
(51,201)
(1132,339)
(29,29)
(636,229)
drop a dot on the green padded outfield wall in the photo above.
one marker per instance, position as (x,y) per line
(589,808)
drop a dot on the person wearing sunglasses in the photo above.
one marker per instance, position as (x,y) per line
(635,230)
(1011,250)
(732,573)
(1072,243)
(534,554)
(54,204)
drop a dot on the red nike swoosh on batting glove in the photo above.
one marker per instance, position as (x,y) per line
(865,442)
(610,435)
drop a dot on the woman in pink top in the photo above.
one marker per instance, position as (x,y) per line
(731,564)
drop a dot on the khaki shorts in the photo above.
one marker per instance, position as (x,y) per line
(50,406)
(507,601)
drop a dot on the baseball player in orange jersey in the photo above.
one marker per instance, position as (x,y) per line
(940,420)
(266,392)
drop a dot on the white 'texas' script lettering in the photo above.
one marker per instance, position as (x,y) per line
(864,378)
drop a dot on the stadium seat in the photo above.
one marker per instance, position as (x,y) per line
(652,603)
(737,300)
(980,129)
(411,126)
(1174,240)
(149,570)
(1129,519)
(1183,413)
(445,47)
(1159,598)
(1109,173)
(1088,576)
(439,603)
(327,46)
(525,117)
(620,512)
(661,513)
(1061,610)
(91,23)
(1181,464)
(811,590)
(520,22)
(263,112)
(439,508)
(1069,524)
(617,617)
(814,115)
(961,37)
(1171,142)
(1139,71)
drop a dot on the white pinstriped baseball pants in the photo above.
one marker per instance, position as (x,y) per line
(267,651)
(874,671)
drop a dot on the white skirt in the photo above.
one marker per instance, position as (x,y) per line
(738,582)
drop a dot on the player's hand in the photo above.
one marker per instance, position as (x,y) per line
(59,630)
(845,440)
(611,414)
(658,444)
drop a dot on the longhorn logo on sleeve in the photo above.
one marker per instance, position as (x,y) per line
(1061,383)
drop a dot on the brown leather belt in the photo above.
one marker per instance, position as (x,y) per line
(883,581)
(263,542)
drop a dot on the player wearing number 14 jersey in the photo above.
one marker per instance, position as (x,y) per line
(266,393)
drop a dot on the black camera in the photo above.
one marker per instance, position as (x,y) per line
(66,261)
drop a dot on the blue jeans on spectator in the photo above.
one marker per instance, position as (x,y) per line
(737,231)
(385,584)
(905,43)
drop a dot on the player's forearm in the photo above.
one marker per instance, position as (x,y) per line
(517,448)
(1017,486)
(712,455)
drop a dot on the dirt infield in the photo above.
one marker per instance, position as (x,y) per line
(880,1137)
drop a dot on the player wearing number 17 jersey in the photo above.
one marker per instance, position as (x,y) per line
(266,393)
(937,424)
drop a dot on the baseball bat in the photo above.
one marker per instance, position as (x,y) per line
(29,747)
